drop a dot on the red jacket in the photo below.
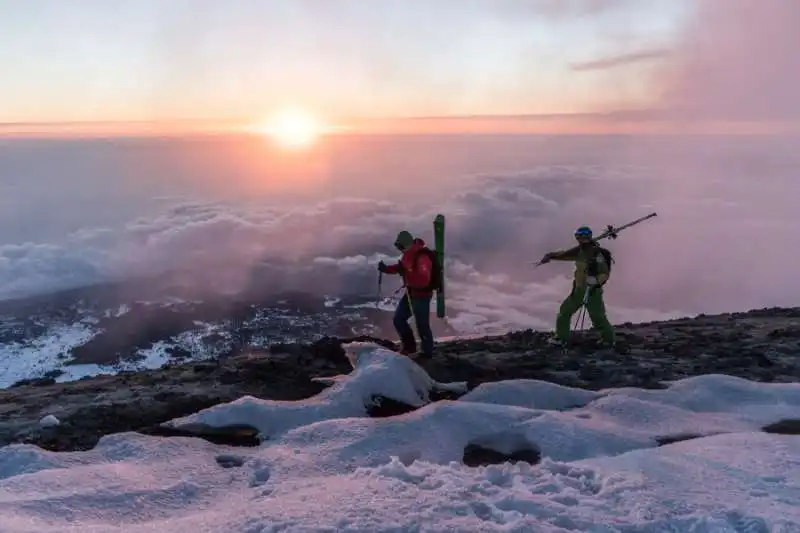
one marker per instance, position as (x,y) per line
(416,271)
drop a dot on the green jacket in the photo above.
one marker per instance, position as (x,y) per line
(582,258)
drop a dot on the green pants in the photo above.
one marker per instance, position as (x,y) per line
(595,307)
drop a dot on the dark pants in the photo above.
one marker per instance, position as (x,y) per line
(422,309)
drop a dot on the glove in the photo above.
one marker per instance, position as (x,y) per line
(592,281)
(546,258)
(382,266)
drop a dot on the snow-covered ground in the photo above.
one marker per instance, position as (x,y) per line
(324,466)
(50,353)
(45,353)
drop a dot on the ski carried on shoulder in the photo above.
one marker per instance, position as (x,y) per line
(611,232)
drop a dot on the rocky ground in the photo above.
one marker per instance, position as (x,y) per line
(761,345)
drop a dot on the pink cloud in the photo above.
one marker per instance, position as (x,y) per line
(738,60)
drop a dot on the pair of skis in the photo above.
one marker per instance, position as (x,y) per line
(438,239)
(611,232)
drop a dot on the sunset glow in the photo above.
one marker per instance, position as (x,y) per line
(293,128)
(112,76)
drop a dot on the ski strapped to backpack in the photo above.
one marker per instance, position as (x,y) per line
(438,234)
(436,256)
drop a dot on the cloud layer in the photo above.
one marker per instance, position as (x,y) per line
(620,60)
(737,60)
(721,241)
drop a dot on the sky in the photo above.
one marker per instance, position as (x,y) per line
(129,60)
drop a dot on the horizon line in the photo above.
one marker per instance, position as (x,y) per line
(239,120)
(631,121)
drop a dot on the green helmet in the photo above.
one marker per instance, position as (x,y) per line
(404,240)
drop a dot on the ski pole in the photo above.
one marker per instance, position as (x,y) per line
(415,328)
(581,317)
(380,285)
(582,312)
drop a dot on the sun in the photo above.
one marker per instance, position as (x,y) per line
(293,128)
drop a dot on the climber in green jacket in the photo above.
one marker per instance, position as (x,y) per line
(592,270)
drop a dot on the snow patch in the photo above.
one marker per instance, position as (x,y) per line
(42,354)
(49,421)
(76,372)
(118,312)
(384,304)
(531,393)
(332,301)
(377,372)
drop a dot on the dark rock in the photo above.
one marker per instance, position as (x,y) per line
(235,435)
(229,461)
(34,382)
(784,427)
(178,353)
(590,372)
(476,455)
(382,407)
(53,373)
(762,360)
(784,333)
(204,367)
(671,439)
(282,348)
(499,448)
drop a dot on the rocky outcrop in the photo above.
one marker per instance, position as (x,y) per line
(760,345)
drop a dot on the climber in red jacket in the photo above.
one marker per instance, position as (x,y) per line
(416,268)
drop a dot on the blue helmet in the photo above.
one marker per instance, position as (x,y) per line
(583,232)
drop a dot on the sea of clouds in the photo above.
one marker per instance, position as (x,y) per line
(89,211)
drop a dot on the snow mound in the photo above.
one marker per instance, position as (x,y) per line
(758,403)
(377,373)
(608,422)
(327,467)
(531,393)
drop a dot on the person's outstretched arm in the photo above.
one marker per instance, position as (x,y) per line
(570,254)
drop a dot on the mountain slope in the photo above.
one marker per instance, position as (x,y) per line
(761,345)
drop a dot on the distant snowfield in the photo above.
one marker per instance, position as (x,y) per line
(50,353)
(46,353)
(324,466)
